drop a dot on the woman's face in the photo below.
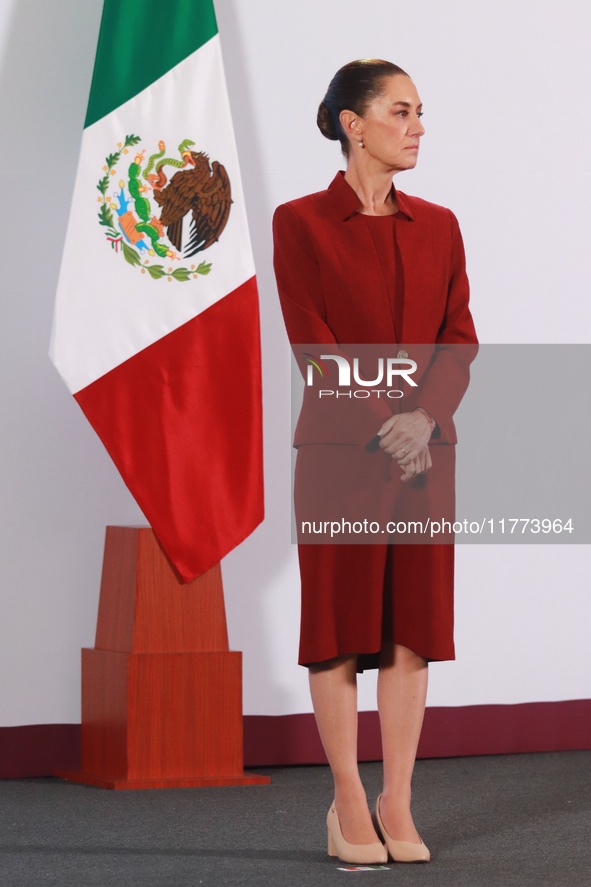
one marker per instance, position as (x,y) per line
(391,126)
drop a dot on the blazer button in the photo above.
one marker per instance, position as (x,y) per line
(402,354)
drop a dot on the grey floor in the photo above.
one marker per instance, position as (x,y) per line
(489,821)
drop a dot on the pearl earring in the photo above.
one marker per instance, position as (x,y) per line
(360,143)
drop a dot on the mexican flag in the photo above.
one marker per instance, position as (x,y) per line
(156,328)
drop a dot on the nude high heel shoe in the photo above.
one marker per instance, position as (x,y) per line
(358,854)
(402,851)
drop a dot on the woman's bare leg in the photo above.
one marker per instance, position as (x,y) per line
(402,693)
(333,686)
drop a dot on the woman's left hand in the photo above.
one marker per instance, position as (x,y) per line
(405,437)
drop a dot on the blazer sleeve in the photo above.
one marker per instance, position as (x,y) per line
(299,283)
(446,380)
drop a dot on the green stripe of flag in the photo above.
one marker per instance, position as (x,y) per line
(139,41)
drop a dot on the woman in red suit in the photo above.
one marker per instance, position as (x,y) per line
(364,263)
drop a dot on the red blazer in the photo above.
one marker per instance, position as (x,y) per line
(332,290)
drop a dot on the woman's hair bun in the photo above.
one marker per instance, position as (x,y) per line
(325,122)
(353,88)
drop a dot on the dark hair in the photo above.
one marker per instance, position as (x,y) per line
(352,88)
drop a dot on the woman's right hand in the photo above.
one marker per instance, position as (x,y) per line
(414,464)
(405,437)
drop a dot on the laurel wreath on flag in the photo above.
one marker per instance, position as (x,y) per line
(114,235)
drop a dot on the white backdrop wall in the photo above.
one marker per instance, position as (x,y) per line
(506,91)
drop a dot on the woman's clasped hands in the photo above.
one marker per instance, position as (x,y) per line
(405,437)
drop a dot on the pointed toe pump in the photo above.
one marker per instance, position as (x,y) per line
(357,854)
(402,851)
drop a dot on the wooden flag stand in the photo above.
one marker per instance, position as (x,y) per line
(161,691)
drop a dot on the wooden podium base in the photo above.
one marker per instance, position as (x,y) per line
(161,692)
(122,784)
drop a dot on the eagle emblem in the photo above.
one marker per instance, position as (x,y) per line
(160,219)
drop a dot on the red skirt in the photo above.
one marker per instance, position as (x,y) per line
(358,597)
